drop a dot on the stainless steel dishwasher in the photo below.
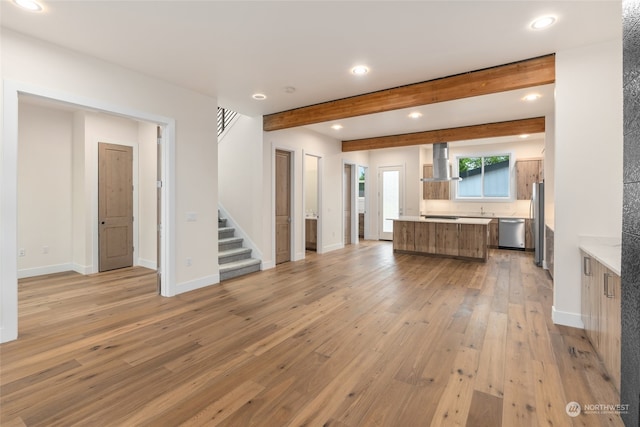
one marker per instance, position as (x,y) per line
(511,233)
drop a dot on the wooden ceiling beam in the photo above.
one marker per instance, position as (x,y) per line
(487,130)
(517,75)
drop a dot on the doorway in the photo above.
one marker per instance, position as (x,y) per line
(391,185)
(283,206)
(312,202)
(115,206)
(362,200)
(349,218)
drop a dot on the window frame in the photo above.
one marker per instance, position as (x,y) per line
(483,155)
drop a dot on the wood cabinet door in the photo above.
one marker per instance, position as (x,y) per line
(527,173)
(404,235)
(425,237)
(528,234)
(611,329)
(446,238)
(472,240)
(494,233)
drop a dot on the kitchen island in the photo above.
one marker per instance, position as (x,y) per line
(455,237)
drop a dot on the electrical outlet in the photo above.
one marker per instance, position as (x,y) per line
(188,262)
(22,252)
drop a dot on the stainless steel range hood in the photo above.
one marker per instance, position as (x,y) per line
(441,171)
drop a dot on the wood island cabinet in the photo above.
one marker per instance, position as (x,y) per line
(404,236)
(451,239)
(601,313)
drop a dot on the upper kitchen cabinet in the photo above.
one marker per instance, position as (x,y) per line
(527,173)
(434,190)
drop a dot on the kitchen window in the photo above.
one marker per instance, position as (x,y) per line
(484,177)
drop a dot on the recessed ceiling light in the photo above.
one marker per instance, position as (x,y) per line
(415,115)
(532,97)
(360,70)
(259,96)
(336,126)
(543,22)
(524,135)
(30,5)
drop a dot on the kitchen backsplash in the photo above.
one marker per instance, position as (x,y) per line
(518,208)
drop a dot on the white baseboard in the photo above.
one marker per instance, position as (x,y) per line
(567,319)
(192,285)
(47,269)
(334,247)
(267,265)
(83,269)
(147,264)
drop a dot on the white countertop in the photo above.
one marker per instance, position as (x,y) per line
(459,220)
(492,215)
(607,250)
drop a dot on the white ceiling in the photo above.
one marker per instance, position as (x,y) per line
(232,49)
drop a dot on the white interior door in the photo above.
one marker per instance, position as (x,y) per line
(391,197)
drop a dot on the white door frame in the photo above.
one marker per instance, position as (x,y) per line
(8,193)
(354,202)
(401,200)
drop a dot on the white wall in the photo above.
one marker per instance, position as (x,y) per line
(35,66)
(310,184)
(240,177)
(588,162)
(44,196)
(147,252)
(407,157)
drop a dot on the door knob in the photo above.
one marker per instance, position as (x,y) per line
(102,223)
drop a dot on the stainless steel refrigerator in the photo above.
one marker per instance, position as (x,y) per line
(537,221)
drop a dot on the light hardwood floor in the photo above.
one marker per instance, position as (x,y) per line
(356,337)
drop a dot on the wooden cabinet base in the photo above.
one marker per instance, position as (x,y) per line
(442,239)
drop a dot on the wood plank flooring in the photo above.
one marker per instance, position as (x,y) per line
(356,337)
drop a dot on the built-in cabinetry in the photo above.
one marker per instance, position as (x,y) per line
(460,240)
(548,247)
(434,190)
(601,310)
(527,172)
(311,233)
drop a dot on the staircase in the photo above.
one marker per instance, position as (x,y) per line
(234,259)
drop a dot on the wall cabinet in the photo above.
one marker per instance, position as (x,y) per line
(601,313)
(434,190)
(527,172)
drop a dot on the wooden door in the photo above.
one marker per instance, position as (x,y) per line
(347,203)
(115,206)
(283,206)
